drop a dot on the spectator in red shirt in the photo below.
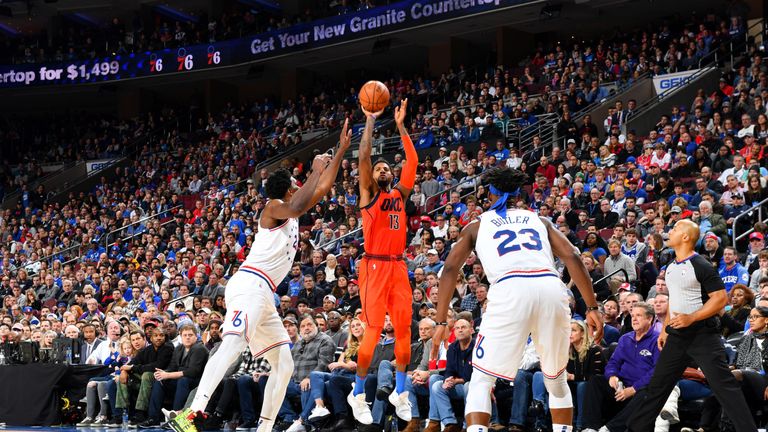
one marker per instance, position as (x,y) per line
(547,170)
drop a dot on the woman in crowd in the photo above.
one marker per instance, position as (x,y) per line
(596,247)
(752,359)
(340,376)
(737,311)
(585,361)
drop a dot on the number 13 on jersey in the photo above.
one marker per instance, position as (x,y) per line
(514,241)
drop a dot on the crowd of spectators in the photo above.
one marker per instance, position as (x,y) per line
(109,276)
(74,41)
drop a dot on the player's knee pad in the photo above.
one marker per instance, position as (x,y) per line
(559,392)
(479,393)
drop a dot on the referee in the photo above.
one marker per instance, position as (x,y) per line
(696,296)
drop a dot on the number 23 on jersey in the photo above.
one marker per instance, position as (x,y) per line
(514,241)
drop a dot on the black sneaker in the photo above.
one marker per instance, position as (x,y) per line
(150,423)
(247,426)
(382,393)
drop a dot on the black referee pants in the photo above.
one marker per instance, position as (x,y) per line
(704,347)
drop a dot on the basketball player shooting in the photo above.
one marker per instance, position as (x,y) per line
(383,273)
(252,319)
(526,298)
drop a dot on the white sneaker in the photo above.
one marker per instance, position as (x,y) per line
(297,426)
(402,405)
(360,409)
(604,429)
(86,422)
(319,412)
(169,414)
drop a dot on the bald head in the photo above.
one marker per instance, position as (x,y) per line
(688,230)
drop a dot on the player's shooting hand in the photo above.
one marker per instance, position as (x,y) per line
(681,321)
(369,114)
(400,112)
(321,162)
(345,138)
(437,340)
(595,323)
(304,384)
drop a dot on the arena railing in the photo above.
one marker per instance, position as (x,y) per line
(747,213)
(144,219)
(609,275)
(51,258)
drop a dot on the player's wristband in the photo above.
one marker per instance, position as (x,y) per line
(592,308)
(442,323)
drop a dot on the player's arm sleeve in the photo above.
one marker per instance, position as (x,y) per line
(408,175)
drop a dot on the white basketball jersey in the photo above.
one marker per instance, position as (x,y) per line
(273,252)
(516,245)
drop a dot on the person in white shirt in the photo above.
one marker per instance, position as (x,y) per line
(109,346)
(737,170)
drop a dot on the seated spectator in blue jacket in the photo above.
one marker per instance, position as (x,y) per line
(458,370)
(615,395)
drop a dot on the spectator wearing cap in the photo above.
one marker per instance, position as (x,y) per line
(29,315)
(738,207)
(350,302)
(635,191)
(329,303)
(731,271)
(433,261)
(291,325)
(756,245)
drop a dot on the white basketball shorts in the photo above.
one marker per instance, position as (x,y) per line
(251,314)
(518,306)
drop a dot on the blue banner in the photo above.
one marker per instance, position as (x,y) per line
(397,16)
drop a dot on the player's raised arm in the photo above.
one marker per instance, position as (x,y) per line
(368,186)
(408,176)
(328,177)
(568,253)
(453,263)
(301,201)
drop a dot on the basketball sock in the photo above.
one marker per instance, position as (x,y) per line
(359,385)
(230,348)
(400,381)
(477,428)
(559,428)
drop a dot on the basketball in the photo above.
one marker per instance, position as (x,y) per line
(374,96)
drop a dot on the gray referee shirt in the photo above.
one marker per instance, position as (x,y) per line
(689,283)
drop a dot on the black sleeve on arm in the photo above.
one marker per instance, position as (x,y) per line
(707,276)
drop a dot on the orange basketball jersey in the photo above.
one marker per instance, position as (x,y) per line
(385,224)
